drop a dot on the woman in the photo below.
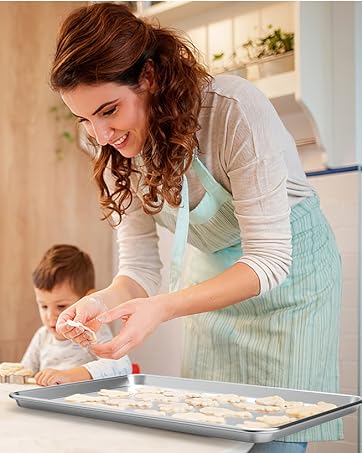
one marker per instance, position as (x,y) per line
(210,160)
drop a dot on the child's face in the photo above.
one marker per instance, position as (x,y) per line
(52,303)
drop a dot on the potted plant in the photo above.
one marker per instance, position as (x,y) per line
(270,55)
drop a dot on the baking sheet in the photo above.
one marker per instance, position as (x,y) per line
(52,399)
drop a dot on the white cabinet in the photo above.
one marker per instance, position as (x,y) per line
(320,101)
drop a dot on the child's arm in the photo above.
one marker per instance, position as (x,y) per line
(97,369)
(105,368)
(51,376)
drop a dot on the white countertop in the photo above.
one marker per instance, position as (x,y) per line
(35,431)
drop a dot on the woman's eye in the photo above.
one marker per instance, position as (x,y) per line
(81,120)
(109,112)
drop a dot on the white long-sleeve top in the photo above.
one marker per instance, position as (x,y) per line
(45,351)
(247,149)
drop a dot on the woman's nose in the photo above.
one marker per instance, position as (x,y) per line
(103,134)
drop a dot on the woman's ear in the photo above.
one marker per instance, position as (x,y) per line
(147,77)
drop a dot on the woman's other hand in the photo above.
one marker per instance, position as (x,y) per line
(140,318)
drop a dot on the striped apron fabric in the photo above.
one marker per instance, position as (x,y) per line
(287,337)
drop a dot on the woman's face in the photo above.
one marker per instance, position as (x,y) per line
(113,114)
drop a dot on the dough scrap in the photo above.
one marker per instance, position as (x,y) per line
(73,323)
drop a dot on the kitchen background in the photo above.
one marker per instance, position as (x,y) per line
(47,195)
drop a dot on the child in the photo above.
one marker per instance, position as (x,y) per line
(64,275)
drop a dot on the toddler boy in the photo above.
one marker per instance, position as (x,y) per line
(64,275)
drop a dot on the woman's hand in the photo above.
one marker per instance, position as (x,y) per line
(50,376)
(85,311)
(140,318)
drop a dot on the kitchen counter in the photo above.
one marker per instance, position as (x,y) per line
(35,431)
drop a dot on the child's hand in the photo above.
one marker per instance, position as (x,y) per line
(84,311)
(50,376)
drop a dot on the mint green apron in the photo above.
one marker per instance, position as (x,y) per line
(287,337)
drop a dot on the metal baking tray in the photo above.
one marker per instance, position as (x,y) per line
(52,399)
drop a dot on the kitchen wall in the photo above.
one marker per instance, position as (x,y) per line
(46,192)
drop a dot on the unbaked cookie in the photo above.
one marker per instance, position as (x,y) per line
(271,401)
(223,412)
(275,420)
(73,323)
(82,398)
(256,407)
(175,407)
(252,425)
(201,402)
(114,393)
(230,398)
(198,417)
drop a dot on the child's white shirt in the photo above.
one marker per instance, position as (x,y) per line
(45,351)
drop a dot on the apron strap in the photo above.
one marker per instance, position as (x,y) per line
(180,239)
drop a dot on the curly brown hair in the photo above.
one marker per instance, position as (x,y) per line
(105,42)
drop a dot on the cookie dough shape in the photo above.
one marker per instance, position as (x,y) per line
(175,407)
(253,425)
(223,412)
(140,404)
(308,411)
(256,407)
(201,402)
(275,420)
(79,324)
(198,417)
(230,398)
(114,393)
(274,400)
(82,398)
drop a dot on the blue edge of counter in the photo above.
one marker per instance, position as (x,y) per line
(331,171)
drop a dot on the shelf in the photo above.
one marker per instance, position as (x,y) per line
(172,11)
(162,7)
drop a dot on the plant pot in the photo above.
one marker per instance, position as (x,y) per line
(269,66)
